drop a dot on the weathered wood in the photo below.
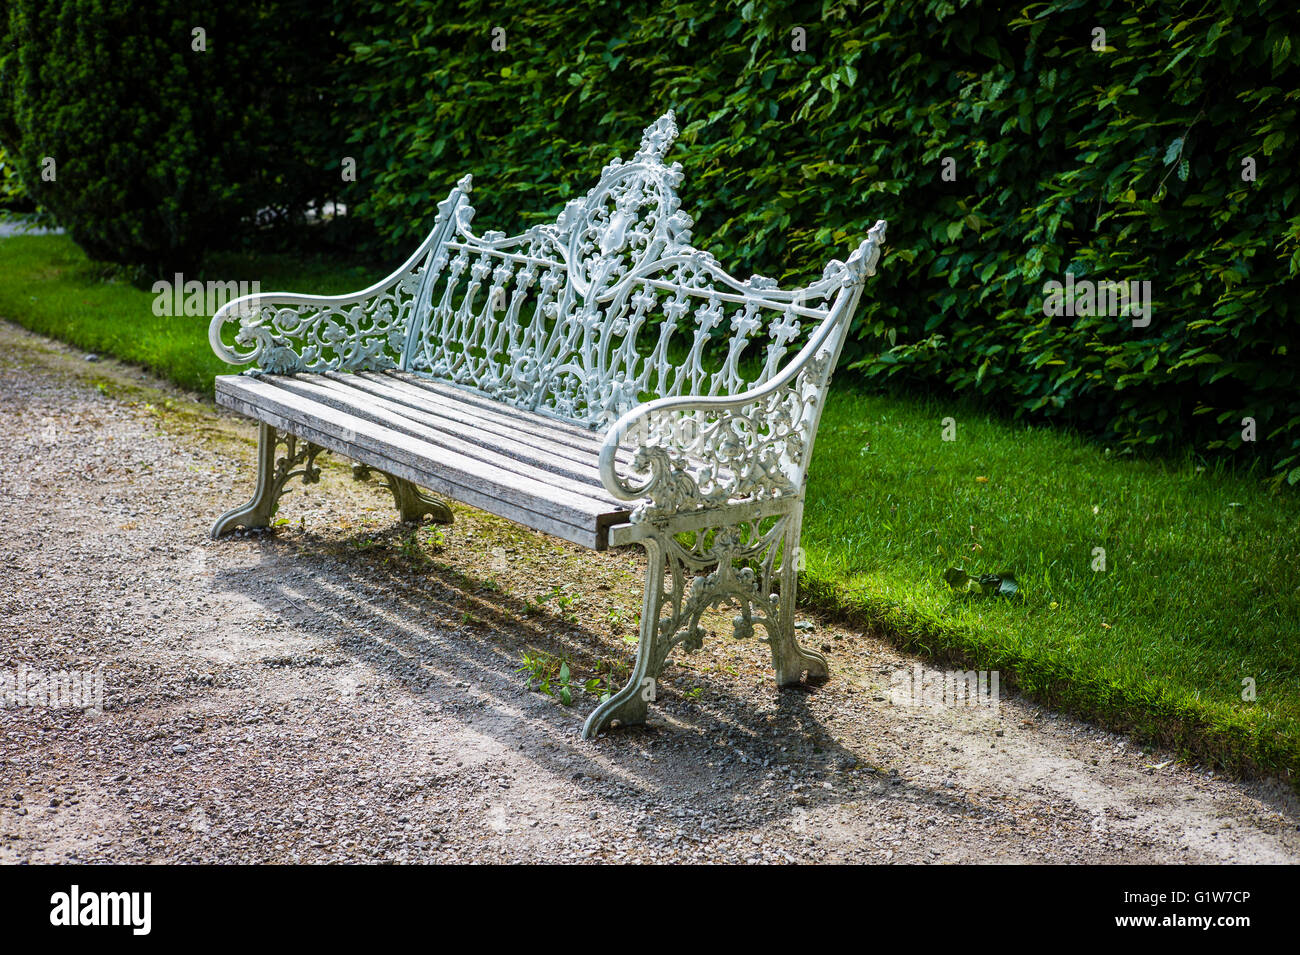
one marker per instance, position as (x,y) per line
(520,427)
(507,455)
(454,395)
(495,489)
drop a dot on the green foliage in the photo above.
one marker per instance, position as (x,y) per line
(12,195)
(549,674)
(1118,164)
(161,151)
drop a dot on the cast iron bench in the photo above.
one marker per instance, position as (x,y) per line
(597,378)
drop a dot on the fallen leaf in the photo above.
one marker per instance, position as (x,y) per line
(986,585)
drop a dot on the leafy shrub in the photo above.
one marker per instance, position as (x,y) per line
(162,151)
(1123,163)
(12,195)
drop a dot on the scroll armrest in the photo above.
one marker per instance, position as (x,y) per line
(284,332)
(694,453)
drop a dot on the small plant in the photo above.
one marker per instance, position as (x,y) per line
(551,675)
(417,545)
(564,600)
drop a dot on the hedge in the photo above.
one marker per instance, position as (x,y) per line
(1112,158)
(154,132)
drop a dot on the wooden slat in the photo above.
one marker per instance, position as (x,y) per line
(467,401)
(501,491)
(546,522)
(560,430)
(468,423)
(453,396)
(506,454)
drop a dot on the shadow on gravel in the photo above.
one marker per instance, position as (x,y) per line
(458,650)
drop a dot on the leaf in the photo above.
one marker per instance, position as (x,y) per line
(986,585)
(958,579)
(1004,583)
(1173,151)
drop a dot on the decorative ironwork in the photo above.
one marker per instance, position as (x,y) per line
(412,503)
(273,473)
(582,318)
(750,564)
(284,333)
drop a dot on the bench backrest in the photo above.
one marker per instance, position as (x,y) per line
(608,306)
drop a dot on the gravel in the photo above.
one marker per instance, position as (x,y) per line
(346,689)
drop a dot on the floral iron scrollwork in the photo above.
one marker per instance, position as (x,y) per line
(273,474)
(751,565)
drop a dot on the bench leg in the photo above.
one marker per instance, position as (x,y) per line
(630,704)
(412,503)
(299,460)
(729,565)
(789,659)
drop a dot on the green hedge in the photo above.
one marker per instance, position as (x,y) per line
(1123,164)
(12,195)
(166,143)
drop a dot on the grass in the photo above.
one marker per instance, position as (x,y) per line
(1201,586)
(48,285)
(1200,589)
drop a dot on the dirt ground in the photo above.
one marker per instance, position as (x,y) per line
(350,689)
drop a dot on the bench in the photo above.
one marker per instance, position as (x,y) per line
(596,378)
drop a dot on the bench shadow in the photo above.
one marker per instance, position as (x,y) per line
(424,629)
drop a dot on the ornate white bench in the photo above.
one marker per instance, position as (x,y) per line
(598,379)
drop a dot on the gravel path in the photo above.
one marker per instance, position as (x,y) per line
(347,689)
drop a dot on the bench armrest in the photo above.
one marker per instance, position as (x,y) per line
(694,453)
(285,332)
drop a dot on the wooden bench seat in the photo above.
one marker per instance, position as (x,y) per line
(520,465)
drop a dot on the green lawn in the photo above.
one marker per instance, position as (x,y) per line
(48,285)
(1201,589)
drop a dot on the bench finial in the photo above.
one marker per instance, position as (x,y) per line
(657,139)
